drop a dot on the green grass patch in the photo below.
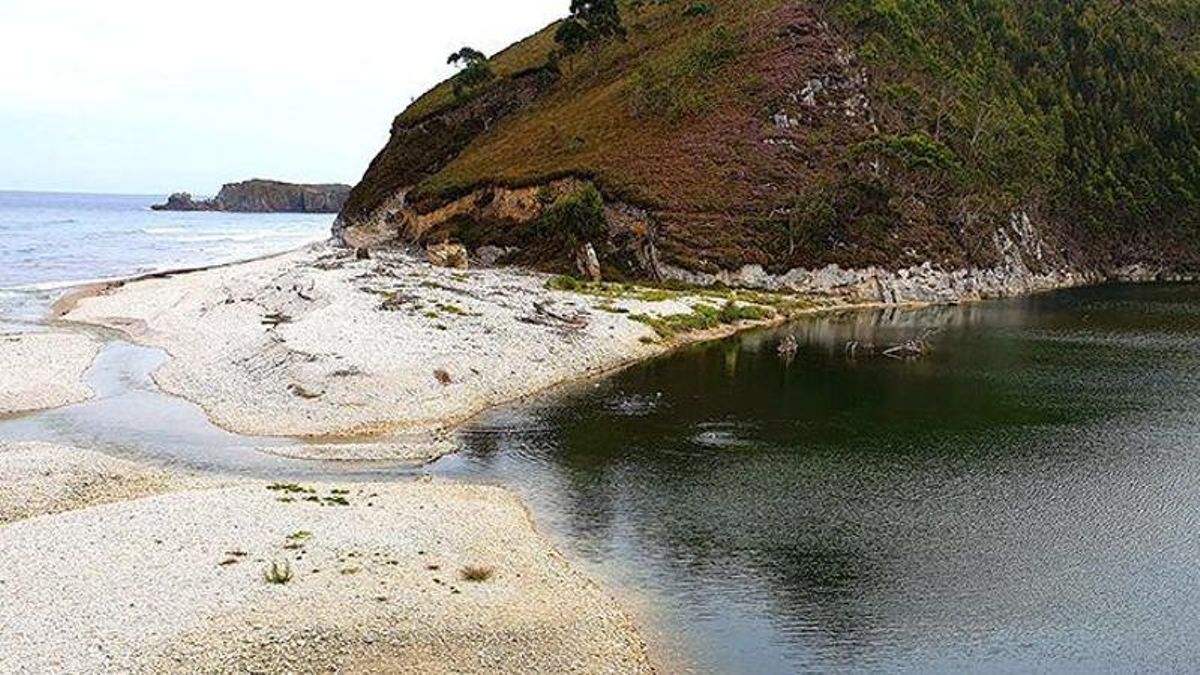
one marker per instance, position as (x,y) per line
(704,317)
(290,488)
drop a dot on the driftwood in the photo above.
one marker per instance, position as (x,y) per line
(544,316)
(908,349)
(276,318)
(788,349)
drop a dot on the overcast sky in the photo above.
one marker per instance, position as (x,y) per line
(153,96)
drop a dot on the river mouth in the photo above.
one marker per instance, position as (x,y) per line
(1023,497)
(130,416)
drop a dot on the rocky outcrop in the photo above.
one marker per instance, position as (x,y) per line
(499,225)
(264,196)
(1026,264)
(419,149)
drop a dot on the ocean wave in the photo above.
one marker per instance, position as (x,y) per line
(181,235)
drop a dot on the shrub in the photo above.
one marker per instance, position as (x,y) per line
(590,21)
(579,215)
(278,572)
(476,574)
(697,8)
(476,71)
(912,151)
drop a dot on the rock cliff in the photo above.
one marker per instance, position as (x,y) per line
(264,196)
(844,145)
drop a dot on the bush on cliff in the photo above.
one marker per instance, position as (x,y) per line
(590,21)
(578,216)
(475,71)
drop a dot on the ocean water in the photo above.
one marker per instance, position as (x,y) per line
(50,241)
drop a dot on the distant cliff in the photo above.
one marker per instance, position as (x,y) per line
(264,196)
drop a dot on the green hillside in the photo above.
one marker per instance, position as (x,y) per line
(862,132)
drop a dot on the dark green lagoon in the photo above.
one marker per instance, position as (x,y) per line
(1024,498)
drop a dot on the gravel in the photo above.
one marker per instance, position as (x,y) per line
(38,479)
(44,370)
(176,582)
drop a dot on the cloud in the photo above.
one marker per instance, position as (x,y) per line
(221,86)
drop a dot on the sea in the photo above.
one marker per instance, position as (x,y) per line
(50,241)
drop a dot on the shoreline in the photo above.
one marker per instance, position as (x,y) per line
(73,293)
(422,432)
(533,329)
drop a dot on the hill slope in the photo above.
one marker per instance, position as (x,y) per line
(1049,140)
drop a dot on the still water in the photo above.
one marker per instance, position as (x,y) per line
(1024,498)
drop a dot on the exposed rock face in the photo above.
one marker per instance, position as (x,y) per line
(1027,264)
(499,225)
(418,150)
(264,196)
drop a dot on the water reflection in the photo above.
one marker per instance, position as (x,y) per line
(1021,498)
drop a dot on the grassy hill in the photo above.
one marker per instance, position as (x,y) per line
(861,132)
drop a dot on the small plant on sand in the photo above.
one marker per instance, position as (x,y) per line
(290,488)
(443,377)
(476,574)
(278,572)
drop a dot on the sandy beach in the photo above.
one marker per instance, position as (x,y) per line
(153,571)
(372,359)
(44,370)
(316,343)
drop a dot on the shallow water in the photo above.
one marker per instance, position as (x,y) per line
(130,416)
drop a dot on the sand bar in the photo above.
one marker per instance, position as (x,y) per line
(152,584)
(316,343)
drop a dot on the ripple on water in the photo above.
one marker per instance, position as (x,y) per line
(724,435)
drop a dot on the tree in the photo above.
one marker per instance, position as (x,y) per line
(475,70)
(590,20)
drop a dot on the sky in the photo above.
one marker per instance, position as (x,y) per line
(157,96)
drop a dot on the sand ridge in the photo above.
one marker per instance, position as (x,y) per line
(176,581)
(317,343)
